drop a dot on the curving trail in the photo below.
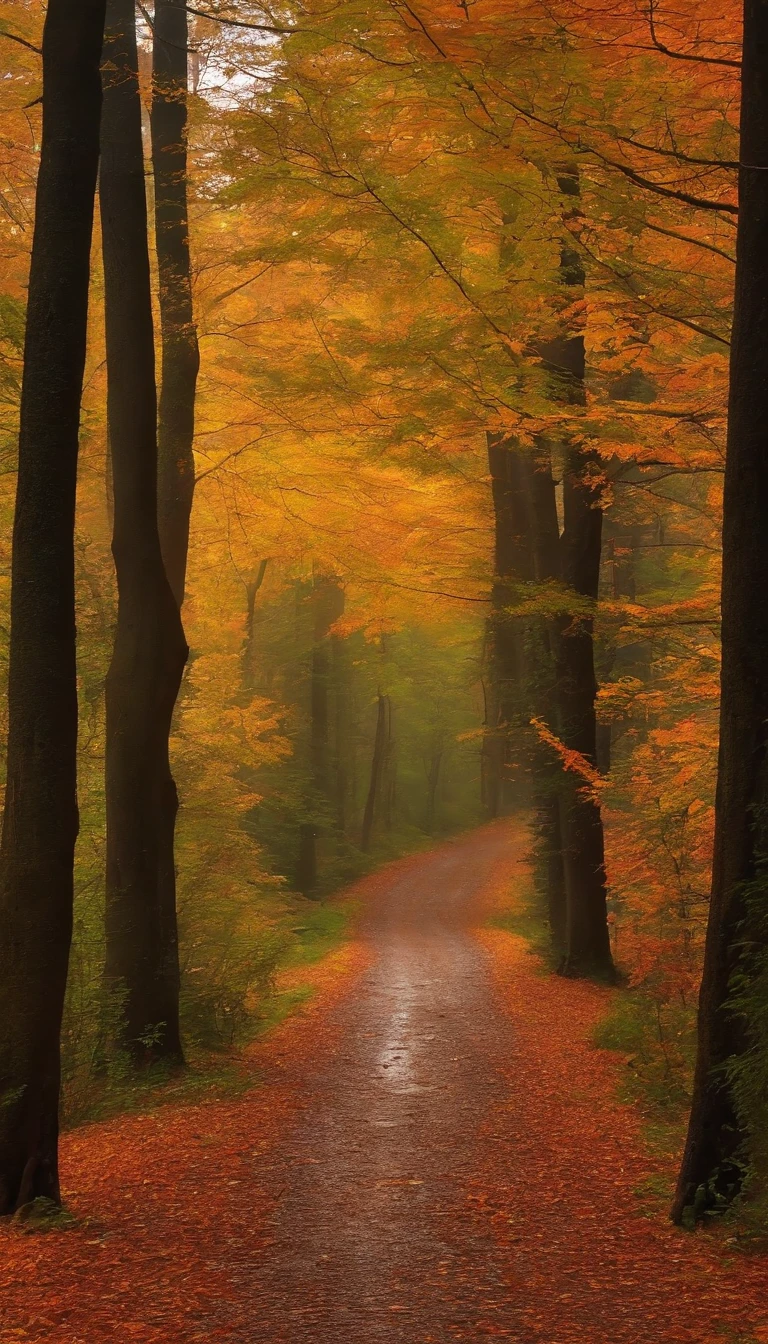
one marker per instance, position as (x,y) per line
(374,1236)
(436,1154)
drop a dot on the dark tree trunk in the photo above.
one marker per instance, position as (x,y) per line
(40,821)
(377,770)
(588,950)
(306,863)
(389,773)
(342,691)
(180,354)
(522,661)
(711,1169)
(505,635)
(565,688)
(252,588)
(620,548)
(551,841)
(150,650)
(539,485)
(327,605)
(433,779)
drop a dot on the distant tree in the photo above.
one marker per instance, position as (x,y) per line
(40,822)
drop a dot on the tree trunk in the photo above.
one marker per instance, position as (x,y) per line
(433,779)
(711,1170)
(41,821)
(587,941)
(528,547)
(249,643)
(588,950)
(328,605)
(150,650)
(377,769)
(180,354)
(389,772)
(342,692)
(513,564)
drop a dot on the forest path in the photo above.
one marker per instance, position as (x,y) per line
(437,1154)
(374,1237)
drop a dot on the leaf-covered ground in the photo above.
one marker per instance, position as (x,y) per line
(434,1151)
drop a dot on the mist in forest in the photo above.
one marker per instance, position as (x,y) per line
(384,654)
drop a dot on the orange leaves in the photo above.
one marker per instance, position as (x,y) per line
(572,1185)
(572,760)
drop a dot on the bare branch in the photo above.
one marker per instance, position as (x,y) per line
(685,55)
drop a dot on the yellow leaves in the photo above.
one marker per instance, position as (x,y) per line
(218,718)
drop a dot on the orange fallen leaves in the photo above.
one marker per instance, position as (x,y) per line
(599,1266)
(167,1204)
(174,1205)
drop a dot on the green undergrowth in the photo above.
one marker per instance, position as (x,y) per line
(101,1083)
(656,1043)
(231,992)
(315,928)
(525,916)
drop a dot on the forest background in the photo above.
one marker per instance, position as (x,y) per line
(379,195)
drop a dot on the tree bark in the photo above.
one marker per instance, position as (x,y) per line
(513,563)
(377,769)
(328,605)
(389,772)
(40,822)
(150,650)
(587,940)
(252,588)
(711,1170)
(433,779)
(548,781)
(588,950)
(342,692)
(180,353)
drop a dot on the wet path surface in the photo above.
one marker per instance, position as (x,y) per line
(374,1235)
(435,1151)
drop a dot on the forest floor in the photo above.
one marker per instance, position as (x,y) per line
(434,1150)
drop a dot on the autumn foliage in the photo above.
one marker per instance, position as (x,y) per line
(397,212)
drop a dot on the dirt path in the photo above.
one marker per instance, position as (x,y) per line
(374,1237)
(436,1154)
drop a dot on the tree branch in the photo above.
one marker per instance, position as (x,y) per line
(22,41)
(685,55)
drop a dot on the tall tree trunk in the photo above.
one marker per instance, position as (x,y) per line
(548,781)
(587,949)
(389,772)
(433,779)
(40,821)
(249,643)
(150,650)
(327,605)
(342,690)
(711,1169)
(180,354)
(513,564)
(377,769)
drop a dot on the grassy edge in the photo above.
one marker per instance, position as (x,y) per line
(315,931)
